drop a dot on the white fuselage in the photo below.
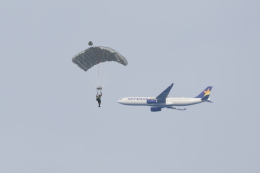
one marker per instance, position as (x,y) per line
(174,101)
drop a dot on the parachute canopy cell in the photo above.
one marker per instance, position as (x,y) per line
(97,54)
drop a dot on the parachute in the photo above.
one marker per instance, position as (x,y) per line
(95,56)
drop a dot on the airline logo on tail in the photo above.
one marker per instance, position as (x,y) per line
(204,95)
(206,92)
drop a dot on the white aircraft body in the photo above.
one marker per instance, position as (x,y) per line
(162,100)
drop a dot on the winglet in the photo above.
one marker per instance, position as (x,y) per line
(162,97)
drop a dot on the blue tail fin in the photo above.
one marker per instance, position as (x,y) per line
(204,95)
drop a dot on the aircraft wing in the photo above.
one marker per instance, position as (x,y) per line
(162,97)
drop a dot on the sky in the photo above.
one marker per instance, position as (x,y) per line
(49,118)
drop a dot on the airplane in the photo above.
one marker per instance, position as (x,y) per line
(163,101)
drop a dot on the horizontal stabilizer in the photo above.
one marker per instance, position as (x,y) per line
(209,101)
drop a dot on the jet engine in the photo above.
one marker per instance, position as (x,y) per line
(155,109)
(151,101)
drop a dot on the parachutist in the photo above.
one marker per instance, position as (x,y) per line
(95,56)
(98,98)
(90,43)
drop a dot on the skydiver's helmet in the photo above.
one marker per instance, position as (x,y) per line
(90,43)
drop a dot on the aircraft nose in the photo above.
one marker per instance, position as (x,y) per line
(121,101)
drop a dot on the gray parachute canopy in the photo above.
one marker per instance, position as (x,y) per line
(97,54)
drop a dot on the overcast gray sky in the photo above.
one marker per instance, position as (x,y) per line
(49,119)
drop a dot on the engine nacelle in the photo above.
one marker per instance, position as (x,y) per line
(155,109)
(151,101)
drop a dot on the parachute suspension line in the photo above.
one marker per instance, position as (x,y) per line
(99,88)
(98,70)
(102,65)
(103,68)
(106,66)
(92,75)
